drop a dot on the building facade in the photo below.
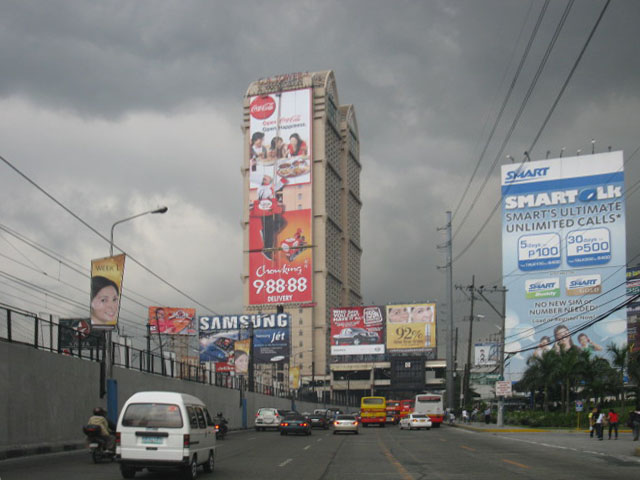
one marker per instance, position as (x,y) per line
(301,216)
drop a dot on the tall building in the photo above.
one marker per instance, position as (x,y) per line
(301,216)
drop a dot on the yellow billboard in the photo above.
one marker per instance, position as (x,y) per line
(106,291)
(411,327)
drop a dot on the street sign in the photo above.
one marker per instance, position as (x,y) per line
(579,406)
(503,389)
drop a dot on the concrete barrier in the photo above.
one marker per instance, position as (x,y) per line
(46,399)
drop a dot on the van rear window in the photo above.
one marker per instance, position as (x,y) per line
(155,415)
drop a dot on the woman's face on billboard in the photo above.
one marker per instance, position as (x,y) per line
(104,306)
(398,315)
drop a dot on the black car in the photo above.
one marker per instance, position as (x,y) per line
(295,424)
(319,421)
(355,336)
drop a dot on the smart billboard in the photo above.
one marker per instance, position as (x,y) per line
(411,327)
(222,337)
(280,196)
(357,331)
(563,255)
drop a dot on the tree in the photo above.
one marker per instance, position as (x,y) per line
(569,371)
(542,373)
(619,355)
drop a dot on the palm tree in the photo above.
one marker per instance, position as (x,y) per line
(569,371)
(543,373)
(619,354)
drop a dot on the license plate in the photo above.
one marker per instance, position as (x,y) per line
(152,440)
(93,445)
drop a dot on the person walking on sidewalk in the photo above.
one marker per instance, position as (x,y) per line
(487,415)
(599,423)
(613,422)
(592,421)
(465,416)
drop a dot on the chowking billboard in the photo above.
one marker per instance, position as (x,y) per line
(357,331)
(280,195)
(411,327)
(563,255)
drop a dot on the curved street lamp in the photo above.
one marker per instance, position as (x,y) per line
(157,210)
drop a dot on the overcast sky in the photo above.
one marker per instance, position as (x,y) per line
(117,107)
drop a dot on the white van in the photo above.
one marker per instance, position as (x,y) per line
(159,430)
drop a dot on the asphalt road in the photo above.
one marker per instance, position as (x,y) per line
(389,453)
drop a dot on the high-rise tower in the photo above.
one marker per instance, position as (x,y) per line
(301,216)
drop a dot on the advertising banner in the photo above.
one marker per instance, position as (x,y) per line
(563,255)
(106,291)
(172,321)
(357,331)
(222,337)
(76,333)
(485,354)
(280,196)
(633,309)
(411,328)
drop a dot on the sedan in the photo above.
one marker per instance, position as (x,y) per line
(416,420)
(295,424)
(320,421)
(346,423)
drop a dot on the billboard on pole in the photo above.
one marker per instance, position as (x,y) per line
(485,354)
(563,255)
(106,291)
(280,197)
(172,321)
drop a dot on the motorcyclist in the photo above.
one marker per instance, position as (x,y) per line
(222,422)
(99,418)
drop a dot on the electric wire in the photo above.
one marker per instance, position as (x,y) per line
(504,103)
(557,100)
(86,224)
(516,119)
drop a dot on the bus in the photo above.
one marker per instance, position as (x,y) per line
(430,404)
(406,407)
(393,411)
(373,410)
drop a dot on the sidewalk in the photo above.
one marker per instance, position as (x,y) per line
(563,438)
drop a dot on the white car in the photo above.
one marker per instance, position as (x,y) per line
(268,418)
(416,421)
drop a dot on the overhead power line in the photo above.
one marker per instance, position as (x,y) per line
(108,240)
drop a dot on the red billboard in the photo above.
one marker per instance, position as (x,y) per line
(172,321)
(357,331)
(280,196)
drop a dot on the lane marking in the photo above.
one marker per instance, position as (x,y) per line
(404,473)
(285,462)
(468,448)
(442,440)
(307,447)
(252,438)
(515,463)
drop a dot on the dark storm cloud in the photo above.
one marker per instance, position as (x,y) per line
(156,89)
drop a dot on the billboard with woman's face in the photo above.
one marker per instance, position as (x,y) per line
(411,327)
(280,194)
(106,291)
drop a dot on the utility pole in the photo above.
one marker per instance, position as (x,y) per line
(467,370)
(450,346)
(502,314)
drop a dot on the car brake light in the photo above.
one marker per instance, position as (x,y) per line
(355,423)
(335,423)
(217,427)
(284,424)
(118,438)
(304,424)
(186,441)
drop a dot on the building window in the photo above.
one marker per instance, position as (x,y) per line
(301,343)
(299,196)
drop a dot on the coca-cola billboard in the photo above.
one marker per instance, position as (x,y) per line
(262,107)
(280,197)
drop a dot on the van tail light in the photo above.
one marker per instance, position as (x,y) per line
(186,440)
(118,438)
(336,423)
(355,423)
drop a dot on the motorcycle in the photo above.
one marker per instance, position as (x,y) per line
(221,428)
(97,444)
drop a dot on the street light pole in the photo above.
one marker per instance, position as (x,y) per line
(112,392)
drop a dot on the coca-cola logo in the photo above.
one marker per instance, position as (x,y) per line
(262,107)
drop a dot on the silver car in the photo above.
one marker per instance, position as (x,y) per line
(415,420)
(346,423)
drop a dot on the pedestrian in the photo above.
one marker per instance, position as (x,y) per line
(465,416)
(487,415)
(592,421)
(634,422)
(599,421)
(474,414)
(613,422)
